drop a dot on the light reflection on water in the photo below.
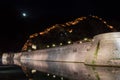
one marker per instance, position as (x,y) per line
(67,71)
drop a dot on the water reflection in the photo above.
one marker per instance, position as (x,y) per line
(11,72)
(66,71)
(73,71)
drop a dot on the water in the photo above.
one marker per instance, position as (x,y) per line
(41,70)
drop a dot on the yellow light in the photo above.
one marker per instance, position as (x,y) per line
(67,24)
(80,41)
(41,33)
(69,42)
(96,16)
(53,45)
(54,26)
(60,43)
(63,25)
(33,71)
(70,31)
(54,76)
(73,23)
(48,46)
(48,74)
(104,22)
(80,19)
(48,29)
(111,27)
(85,39)
(34,46)
(31,36)
(36,34)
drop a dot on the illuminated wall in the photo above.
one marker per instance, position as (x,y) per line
(105,50)
(71,53)
(7,58)
(4,56)
(17,55)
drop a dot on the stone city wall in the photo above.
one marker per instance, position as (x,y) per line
(105,50)
(71,53)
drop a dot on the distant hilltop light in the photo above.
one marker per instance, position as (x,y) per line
(24,14)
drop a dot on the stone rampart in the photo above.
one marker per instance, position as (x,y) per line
(105,50)
(71,53)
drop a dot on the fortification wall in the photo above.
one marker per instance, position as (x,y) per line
(105,50)
(71,53)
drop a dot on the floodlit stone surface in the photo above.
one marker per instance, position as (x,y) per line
(74,71)
(104,51)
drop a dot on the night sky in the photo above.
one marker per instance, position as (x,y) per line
(20,18)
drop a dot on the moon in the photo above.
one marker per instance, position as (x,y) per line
(24,14)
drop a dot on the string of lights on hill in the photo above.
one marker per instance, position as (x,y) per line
(62,34)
